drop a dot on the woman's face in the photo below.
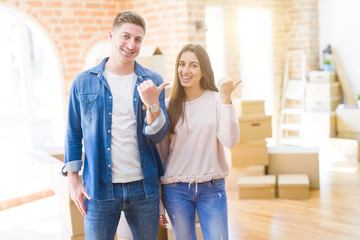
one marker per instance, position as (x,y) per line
(189,72)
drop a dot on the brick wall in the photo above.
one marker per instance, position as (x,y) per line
(76,26)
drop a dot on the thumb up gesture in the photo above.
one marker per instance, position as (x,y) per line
(227,86)
(149,93)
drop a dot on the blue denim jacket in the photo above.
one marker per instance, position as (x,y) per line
(89,124)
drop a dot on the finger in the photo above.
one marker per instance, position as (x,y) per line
(161,87)
(82,208)
(236,83)
(86,195)
(79,207)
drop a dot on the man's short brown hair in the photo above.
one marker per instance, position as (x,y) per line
(128,17)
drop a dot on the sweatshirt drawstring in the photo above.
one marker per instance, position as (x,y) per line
(196,186)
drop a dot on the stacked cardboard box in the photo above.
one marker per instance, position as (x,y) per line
(323,92)
(323,95)
(255,127)
(293,186)
(295,160)
(259,187)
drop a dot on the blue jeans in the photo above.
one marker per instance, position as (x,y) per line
(207,198)
(142,214)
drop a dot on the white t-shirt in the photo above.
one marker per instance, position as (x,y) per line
(125,158)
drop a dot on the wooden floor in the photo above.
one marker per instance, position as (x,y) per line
(332,212)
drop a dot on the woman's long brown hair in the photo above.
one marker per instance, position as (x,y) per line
(176,105)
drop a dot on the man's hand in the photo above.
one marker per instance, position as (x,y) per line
(149,93)
(77,191)
(227,86)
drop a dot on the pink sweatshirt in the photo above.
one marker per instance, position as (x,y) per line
(195,153)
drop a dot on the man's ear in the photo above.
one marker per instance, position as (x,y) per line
(110,36)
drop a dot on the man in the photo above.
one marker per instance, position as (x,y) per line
(117,112)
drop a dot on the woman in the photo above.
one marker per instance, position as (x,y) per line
(202,121)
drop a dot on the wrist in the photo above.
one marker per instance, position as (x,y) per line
(225,98)
(153,108)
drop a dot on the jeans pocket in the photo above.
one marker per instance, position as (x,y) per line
(218,183)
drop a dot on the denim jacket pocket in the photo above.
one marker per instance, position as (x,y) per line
(89,105)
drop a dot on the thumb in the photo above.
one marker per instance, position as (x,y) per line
(236,83)
(161,87)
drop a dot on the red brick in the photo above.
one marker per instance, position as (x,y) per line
(35,3)
(51,4)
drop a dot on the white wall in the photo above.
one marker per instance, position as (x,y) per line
(339,25)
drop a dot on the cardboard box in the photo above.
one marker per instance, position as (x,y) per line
(321,76)
(71,218)
(257,187)
(322,105)
(152,58)
(293,186)
(297,160)
(348,120)
(249,107)
(199,235)
(319,90)
(65,235)
(255,127)
(249,153)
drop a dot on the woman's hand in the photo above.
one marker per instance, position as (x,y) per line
(227,86)
(163,220)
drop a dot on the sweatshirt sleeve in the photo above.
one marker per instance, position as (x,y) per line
(228,124)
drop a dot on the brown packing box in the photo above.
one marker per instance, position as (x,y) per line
(316,90)
(293,186)
(71,218)
(248,107)
(152,58)
(65,235)
(255,127)
(295,159)
(322,105)
(322,76)
(199,235)
(249,153)
(257,187)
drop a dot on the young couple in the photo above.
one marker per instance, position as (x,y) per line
(117,113)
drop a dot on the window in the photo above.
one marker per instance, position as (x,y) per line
(31,103)
(256,55)
(215,40)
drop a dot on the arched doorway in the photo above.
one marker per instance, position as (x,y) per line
(31,103)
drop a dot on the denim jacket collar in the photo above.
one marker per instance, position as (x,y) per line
(100,68)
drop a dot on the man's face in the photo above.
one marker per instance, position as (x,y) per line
(126,42)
